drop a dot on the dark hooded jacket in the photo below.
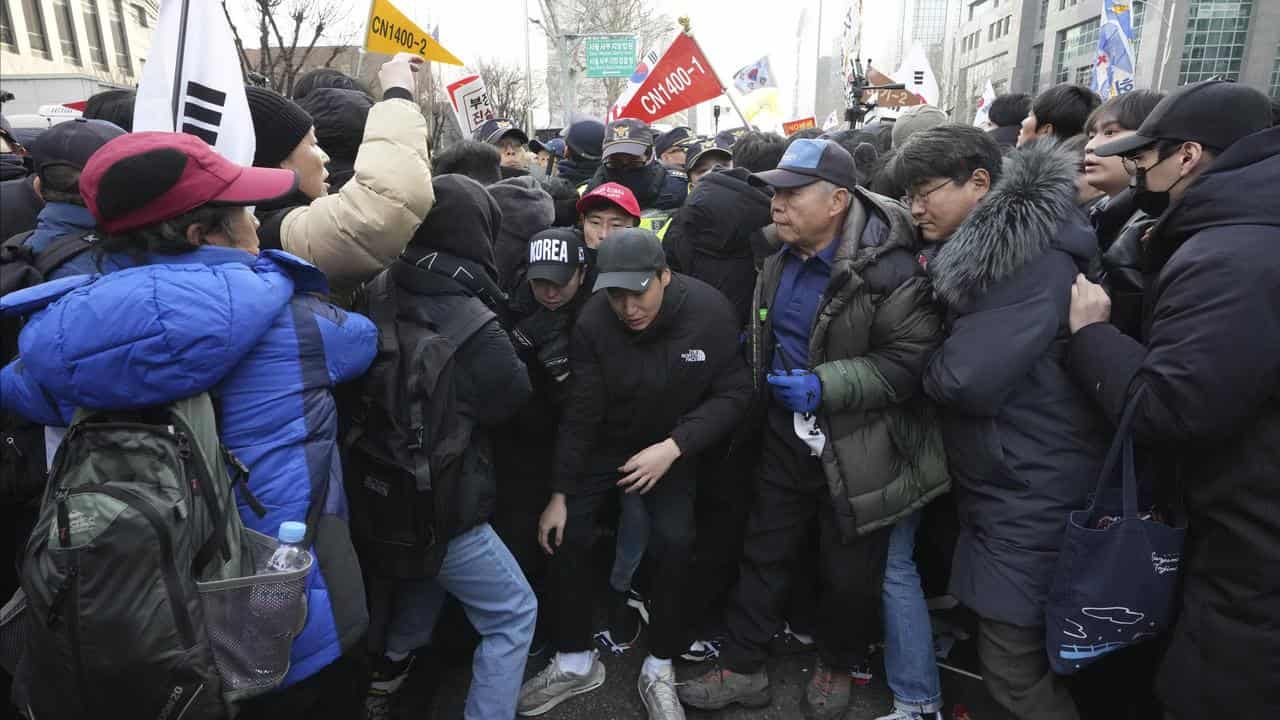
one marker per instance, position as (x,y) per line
(682,377)
(1209,362)
(448,270)
(1024,444)
(875,328)
(526,209)
(718,236)
(339,116)
(655,186)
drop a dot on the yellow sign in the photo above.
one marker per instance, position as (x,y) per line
(390,32)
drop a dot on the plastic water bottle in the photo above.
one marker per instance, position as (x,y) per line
(290,555)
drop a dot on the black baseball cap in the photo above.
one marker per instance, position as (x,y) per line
(629,259)
(493,131)
(671,139)
(72,143)
(808,161)
(632,137)
(696,151)
(555,255)
(1214,113)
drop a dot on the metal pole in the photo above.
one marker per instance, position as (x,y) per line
(684,21)
(817,61)
(528,73)
(177,73)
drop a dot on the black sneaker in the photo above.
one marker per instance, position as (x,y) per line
(637,601)
(385,680)
(701,651)
(623,628)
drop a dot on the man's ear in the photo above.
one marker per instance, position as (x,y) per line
(981,179)
(1044,129)
(841,199)
(36,185)
(664,277)
(196,234)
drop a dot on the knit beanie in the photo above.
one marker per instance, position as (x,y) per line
(278,125)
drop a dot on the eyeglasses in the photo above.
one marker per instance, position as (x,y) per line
(910,198)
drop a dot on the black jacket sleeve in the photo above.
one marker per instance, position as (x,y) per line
(493,384)
(583,413)
(1211,357)
(990,348)
(730,392)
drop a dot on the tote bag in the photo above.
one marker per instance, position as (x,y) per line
(1117,585)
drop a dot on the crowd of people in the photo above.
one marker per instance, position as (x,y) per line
(763,370)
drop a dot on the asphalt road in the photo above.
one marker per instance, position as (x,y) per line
(438,690)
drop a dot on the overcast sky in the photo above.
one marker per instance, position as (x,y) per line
(732,33)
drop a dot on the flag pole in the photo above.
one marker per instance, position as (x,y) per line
(177,73)
(684,22)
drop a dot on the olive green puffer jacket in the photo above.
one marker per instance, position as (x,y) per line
(876,327)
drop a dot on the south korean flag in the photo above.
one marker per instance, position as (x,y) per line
(192,83)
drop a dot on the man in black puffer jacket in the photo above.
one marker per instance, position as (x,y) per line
(718,236)
(657,379)
(447,276)
(1208,370)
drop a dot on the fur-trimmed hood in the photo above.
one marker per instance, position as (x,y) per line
(1018,221)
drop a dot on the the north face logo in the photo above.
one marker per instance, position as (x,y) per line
(694,355)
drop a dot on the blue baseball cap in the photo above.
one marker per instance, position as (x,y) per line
(808,161)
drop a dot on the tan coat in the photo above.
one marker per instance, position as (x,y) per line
(353,234)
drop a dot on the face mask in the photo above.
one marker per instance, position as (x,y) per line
(637,180)
(1152,202)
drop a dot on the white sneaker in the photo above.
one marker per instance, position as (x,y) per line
(552,686)
(658,693)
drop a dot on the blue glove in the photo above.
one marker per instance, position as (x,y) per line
(799,390)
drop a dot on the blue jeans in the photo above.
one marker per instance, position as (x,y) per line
(479,571)
(633,538)
(909,664)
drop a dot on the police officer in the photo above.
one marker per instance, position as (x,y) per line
(629,160)
(657,379)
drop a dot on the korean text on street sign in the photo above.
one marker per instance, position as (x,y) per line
(390,32)
(610,56)
(470,103)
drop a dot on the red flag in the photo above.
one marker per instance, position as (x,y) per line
(681,79)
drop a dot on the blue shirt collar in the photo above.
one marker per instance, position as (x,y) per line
(827,256)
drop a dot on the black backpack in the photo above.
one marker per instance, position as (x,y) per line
(406,437)
(122,572)
(22,457)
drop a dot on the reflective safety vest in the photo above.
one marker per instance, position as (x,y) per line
(657,221)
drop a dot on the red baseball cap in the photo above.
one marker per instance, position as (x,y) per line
(144,178)
(610,194)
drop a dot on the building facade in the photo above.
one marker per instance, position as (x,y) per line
(58,51)
(1029,45)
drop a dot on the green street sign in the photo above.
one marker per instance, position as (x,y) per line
(611,56)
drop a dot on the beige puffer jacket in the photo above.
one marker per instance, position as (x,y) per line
(353,234)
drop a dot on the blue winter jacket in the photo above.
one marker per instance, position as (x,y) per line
(59,219)
(248,329)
